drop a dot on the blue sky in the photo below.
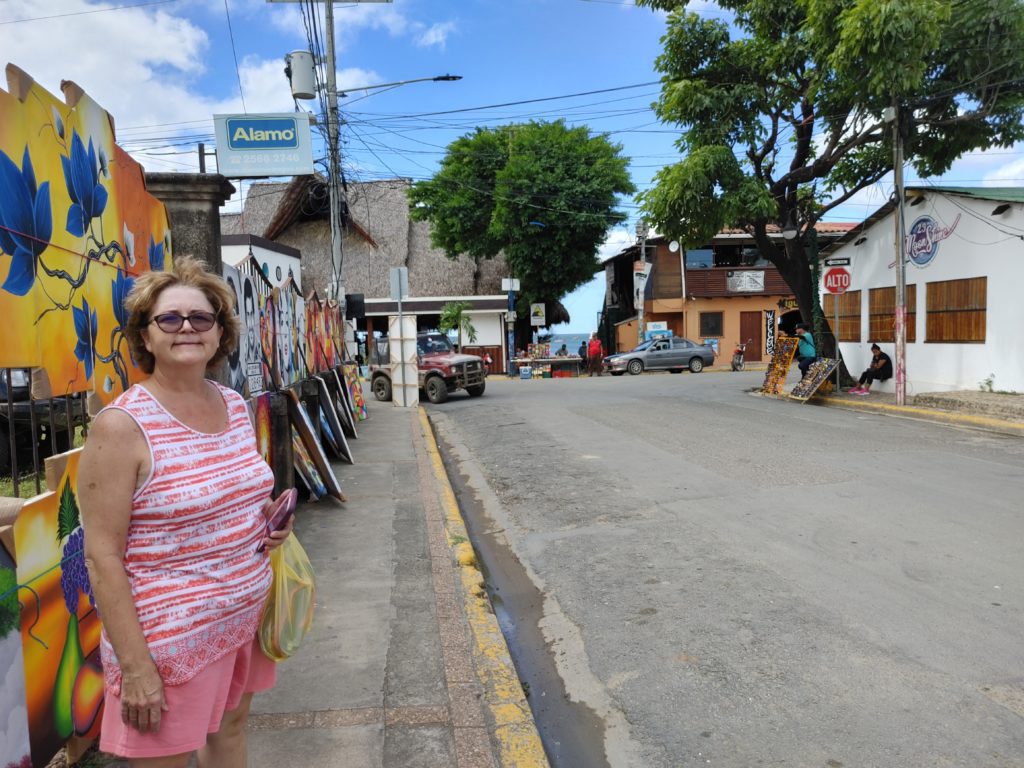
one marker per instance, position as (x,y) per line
(163,67)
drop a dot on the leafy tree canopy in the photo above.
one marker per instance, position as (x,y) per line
(542,193)
(781,111)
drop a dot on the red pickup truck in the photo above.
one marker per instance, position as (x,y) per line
(441,370)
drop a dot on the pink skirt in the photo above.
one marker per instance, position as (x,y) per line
(195,708)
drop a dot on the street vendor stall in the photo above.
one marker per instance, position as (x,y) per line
(550,367)
(542,364)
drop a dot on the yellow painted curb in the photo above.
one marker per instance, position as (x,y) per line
(515,731)
(950,417)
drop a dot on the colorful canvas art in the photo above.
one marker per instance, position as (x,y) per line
(355,388)
(330,415)
(236,367)
(343,400)
(76,227)
(249,343)
(306,469)
(302,369)
(300,420)
(284,340)
(268,329)
(315,333)
(262,425)
(60,629)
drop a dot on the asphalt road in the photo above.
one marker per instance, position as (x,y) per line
(714,578)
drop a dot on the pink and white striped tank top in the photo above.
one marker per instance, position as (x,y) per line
(198,583)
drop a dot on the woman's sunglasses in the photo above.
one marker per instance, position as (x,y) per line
(172,322)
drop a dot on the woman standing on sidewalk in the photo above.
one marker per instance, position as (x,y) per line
(174,510)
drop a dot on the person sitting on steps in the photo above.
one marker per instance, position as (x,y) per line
(880,369)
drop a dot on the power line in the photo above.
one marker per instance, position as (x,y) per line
(234,53)
(528,101)
(83,13)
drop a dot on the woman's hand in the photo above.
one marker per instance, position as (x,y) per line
(142,698)
(276,538)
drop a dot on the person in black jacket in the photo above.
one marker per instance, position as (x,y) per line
(879,370)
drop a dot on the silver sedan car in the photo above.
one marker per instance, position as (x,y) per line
(662,354)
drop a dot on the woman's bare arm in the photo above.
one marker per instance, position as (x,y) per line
(114,458)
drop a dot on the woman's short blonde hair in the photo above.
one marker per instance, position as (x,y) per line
(192,273)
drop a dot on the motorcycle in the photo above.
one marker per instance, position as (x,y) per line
(737,354)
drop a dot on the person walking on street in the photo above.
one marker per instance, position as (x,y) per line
(880,369)
(805,352)
(175,520)
(595,355)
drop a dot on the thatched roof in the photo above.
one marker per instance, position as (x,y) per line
(378,235)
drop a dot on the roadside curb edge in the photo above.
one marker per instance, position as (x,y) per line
(515,731)
(948,417)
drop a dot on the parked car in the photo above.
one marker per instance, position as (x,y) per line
(16,417)
(661,354)
(441,370)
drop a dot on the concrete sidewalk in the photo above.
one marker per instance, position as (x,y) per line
(993,411)
(405,665)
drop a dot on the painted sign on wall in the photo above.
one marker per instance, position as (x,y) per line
(924,237)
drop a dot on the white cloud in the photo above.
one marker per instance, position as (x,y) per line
(265,86)
(350,21)
(616,241)
(1009,173)
(436,34)
(137,63)
(354,77)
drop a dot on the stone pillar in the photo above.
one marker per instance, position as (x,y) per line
(193,203)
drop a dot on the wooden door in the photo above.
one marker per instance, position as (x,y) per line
(750,328)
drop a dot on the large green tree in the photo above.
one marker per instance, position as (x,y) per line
(541,193)
(781,109)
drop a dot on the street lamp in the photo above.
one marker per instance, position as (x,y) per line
(439,79)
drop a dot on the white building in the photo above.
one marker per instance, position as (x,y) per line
(278,262)
(964,274)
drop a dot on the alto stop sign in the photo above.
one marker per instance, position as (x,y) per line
(837,280)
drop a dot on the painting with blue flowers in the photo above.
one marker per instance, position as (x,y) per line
(77,226)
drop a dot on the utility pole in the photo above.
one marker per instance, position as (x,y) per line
(901,264)
(642,231)
(333,156)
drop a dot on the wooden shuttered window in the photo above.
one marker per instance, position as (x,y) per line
(849,314)
(956,311)
(882,314)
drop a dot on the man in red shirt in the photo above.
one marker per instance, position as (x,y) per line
(595,355)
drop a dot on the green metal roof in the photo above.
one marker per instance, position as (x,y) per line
(1005,194)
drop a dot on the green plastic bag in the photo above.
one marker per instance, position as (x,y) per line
(289,611)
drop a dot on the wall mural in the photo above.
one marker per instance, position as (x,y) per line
(76,226)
